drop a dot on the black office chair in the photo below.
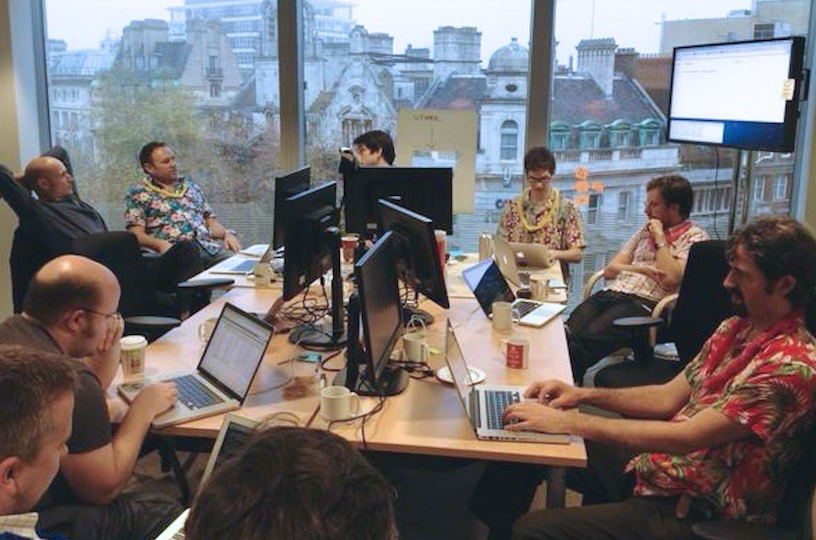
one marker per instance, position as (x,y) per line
(146,310)
(701,305)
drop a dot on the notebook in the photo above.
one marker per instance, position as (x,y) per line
(230,266)
(533,255)
(224,374)
(488,286)
(235,432)
(484,404)
(506,253)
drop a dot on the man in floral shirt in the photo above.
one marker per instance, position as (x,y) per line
(166,208)
(719,440)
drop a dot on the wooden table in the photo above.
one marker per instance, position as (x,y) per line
(426,419)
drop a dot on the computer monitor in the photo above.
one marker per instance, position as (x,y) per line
(415,251)
(381,320)
(287,185)
(740,94)
(426,190)
(312,248)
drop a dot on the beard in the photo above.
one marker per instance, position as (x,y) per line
(737,302)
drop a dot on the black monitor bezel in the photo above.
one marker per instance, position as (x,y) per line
(286,185)
(429,188)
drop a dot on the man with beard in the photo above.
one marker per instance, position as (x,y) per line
(719,440)
(648,267)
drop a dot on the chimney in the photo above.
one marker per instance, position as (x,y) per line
(596,58)
(626,62)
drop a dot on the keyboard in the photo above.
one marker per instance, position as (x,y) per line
(524,307)
(497,402)
(194,394)
(244,266)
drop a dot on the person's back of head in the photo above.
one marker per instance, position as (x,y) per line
(294,483)
(35,421)
(780,246)
(378,141)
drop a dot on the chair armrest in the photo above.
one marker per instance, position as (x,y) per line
(658,311)
(152,322)
(739,530)
(588,286)
(208,283)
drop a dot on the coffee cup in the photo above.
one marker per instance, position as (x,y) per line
(516,352)
(206,328)
(349,245)
(132,351)
(336,403)
(539,287)
(441,246)
(415,347)
(502,313)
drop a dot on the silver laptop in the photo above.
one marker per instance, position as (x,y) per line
(222,379)
(485,404)
(506,255)
(246,266)
(532,255)
(488,286)
(234,434)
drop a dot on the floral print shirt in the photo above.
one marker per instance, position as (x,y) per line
(169,218)
(564,232)
(773,396)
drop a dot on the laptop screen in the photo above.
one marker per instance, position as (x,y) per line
(235,349)
(458,368)
(488,284)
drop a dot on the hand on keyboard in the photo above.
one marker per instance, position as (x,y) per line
(155,399)
(533,416)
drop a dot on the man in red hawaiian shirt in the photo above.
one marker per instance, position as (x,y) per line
(720,439)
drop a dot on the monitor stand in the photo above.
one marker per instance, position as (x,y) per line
(325,335)
(409,311)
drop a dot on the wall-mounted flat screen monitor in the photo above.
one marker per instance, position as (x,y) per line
(741,94)
(425,190)
(287,185)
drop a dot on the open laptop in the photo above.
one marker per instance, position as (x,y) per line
(224,374)
(488,286)
(245,266)
(484,404)
(235,432)
(506,255)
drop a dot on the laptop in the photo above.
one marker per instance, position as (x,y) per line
(488,286)
(532,255)
(235,432)
(224,374)
(506,255)
(484,404)
(245,266)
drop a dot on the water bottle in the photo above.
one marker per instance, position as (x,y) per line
(485,246)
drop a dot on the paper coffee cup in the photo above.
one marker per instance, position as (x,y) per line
(349,243)
(132,351)
(441,246)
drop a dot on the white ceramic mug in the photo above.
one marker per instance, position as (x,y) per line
(336,403)
(132,351)
(502,313)
(206,328)
(539,287)
(415,347)
(516,352)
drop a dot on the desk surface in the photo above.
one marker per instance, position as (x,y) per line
(427,418)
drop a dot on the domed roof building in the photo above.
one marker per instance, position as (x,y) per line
(512,58)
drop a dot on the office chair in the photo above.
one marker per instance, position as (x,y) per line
(700,306)
(146,310)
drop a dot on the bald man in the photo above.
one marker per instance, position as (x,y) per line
(70,308)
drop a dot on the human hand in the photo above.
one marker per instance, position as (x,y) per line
(231,242)
(532,416)
(163,245)
(612,271)
(110,343)
(655,273)
(655,227)
(554,393)
(156,398)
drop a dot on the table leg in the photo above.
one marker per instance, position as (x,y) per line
(556,487)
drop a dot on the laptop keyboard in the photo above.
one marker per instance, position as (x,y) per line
(524,307)
(194,393)
(497,402)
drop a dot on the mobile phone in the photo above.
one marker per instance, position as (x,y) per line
(346,150)
(310,357)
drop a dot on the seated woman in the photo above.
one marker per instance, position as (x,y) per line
(540,215)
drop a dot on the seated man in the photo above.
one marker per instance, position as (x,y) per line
(166,208)
(35,423)
(70,309)
(374,149)
(540,215)
(294,483)
(719,440)
(648,267)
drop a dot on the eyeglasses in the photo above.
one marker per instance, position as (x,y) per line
(115,315)
(544,178)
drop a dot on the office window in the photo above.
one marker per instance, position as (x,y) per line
(592,208)
(780,190)
(559,136)
(759,188)
(624,199)
(509,140)
(590,135)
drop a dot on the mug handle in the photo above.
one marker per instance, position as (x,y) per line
(354,398)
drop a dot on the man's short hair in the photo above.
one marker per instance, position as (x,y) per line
(378,140)
(294,483)
(146,153)
(780,246)
(30,382)
(539,158)
(674,189)
(47,301)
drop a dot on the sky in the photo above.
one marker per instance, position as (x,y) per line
(633,23)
